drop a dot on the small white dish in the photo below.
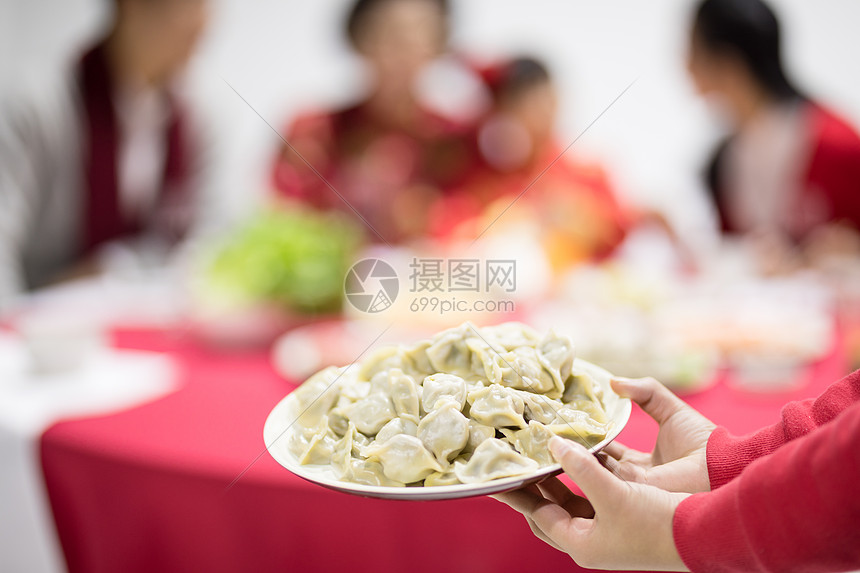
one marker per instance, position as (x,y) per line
(282,417)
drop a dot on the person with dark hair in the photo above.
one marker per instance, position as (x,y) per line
(107,154)
(388,156)
(788,175)
(572,200)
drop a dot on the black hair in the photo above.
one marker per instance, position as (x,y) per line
(750,31)
(517,76)
(356,17)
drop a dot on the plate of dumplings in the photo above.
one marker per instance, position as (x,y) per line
(468,412)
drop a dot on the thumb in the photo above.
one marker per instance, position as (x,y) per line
(655,399)
(596,482)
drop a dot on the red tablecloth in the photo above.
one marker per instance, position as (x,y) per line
(146,489)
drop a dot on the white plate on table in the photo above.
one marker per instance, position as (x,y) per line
(283,415)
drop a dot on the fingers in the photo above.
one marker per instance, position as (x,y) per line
(552,519)
(617,450)
(541,535)
(526,500)
(598,484)
(655,399)
(624,469)
(555,491)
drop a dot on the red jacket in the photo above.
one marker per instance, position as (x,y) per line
(830,180)
(785,498)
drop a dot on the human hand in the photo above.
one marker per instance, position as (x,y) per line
(679,459)
(621,525)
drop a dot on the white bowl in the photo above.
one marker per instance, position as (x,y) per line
(284,415)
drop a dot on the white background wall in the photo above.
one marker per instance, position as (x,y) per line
(283,55)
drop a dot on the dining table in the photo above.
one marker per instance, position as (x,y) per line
(183,481)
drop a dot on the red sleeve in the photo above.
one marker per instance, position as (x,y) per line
(729,455)
(794,510)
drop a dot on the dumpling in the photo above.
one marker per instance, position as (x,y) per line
(532,442)
(493,459)
(477,433)
(394,427)
(318,446)
(449,352)
(444,431)
(380,360)
(342,453)
(511,335)
(580,386)
(369,472)
(338,421)
(578,426)
(522,369)
(404,395)
(483,354)
(497,407)
(594,409)
(538,406)
(371,413)
(403,458)
(415,361)
(352,392)
(555,354)
(318,394)
(437,386)
(448,477)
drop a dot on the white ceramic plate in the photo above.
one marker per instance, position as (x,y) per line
(283,415)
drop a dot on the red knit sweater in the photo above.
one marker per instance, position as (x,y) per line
(785,498)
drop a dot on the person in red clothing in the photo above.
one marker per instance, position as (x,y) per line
(784,498)
(788,174)
(521,164)
(386,157)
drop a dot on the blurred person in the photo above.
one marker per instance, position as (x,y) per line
(388,155)
(783,498)
(788,175)
(108,155)
(572,200)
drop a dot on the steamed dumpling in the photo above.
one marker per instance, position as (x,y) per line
(449,351)
(511,335)
(522,369)
(555,354)
(448,477)
(396,426)
(368,472)
(578,426)
(415,361)
(431,412)
(371,413)
(447,386)
(320,446)
(404,395)
(444,431)
(403,458)
(318,394)
(532,442)
(497,407)
(580,385)
(346,464)
(538,406)
(493,459)
(342,453)
(379,360)
(478,433)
